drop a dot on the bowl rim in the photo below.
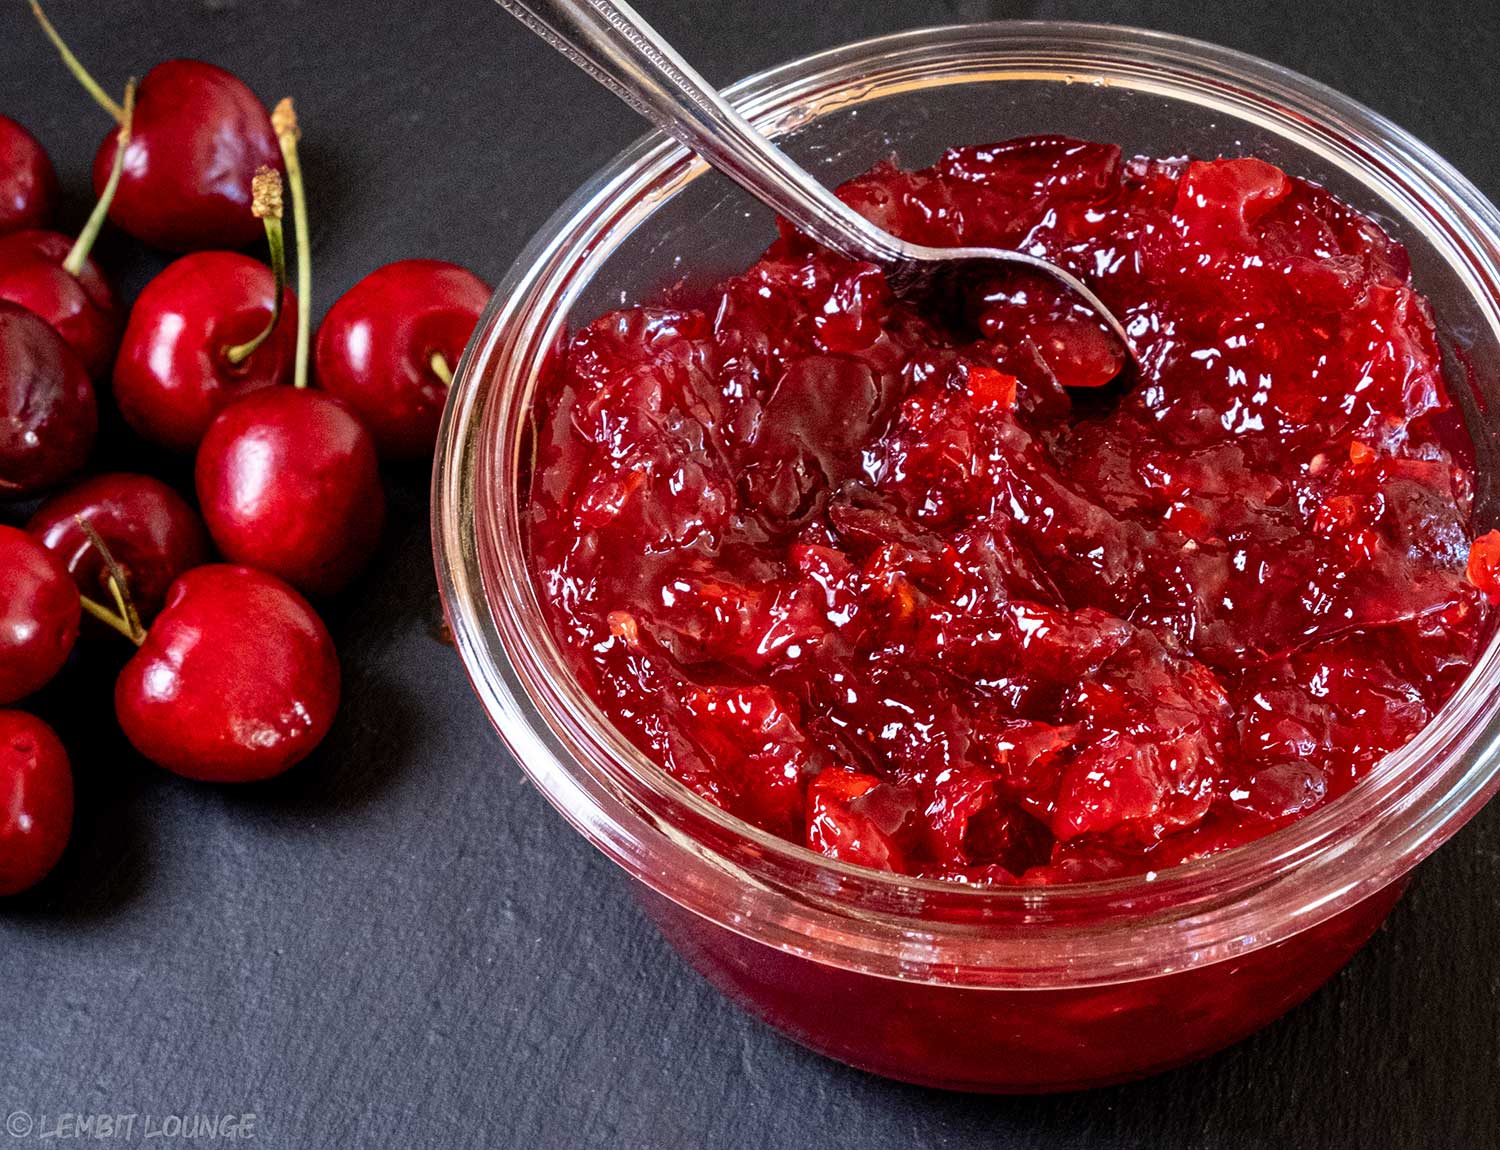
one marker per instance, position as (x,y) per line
(899,926)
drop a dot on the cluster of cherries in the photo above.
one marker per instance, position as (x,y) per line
(235,677)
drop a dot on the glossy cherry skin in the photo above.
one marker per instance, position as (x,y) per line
(375,348)
(151,531)
(38,615)
(289,482)
(28,183)
(36,801)
(81,308)
(48,416)
(237,679)
(172,375)
(196,140)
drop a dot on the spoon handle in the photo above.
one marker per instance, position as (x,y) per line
(609,40)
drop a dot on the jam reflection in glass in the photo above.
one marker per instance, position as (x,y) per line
(947,591)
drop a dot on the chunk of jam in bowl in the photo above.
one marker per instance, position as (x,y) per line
(949,590)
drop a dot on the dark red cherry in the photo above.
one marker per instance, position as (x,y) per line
(53,276)
(36,801)
(152,532)
(82,308)
(288,482)
(389,345)
(28,184)
(39,614)
(173,374)
(236,680)
(47,412)
(199,136)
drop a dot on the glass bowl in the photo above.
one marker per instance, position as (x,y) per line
(1002,989)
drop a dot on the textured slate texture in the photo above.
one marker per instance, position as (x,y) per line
(399,944)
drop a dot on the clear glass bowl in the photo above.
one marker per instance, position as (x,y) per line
(1010,989)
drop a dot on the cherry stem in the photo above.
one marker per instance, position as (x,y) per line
(127,622)
(108,618)
(80,73)
(441,369)
(119,597)
(284,121)
(78,254)
(265,203)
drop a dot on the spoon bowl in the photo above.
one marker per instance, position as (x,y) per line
(612,43)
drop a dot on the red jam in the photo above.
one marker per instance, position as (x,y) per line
(945,592)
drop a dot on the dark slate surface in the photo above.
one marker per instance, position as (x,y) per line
(399,944)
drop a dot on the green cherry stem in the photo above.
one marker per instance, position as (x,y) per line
(78,254)
(80,73)
(265,203)
(125,620)
(284,122)
(108,618)
(441,369)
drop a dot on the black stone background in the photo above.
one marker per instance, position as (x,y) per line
(399,944)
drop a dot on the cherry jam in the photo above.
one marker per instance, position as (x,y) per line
(948,587)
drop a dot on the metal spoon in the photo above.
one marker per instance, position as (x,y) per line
(611,42)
